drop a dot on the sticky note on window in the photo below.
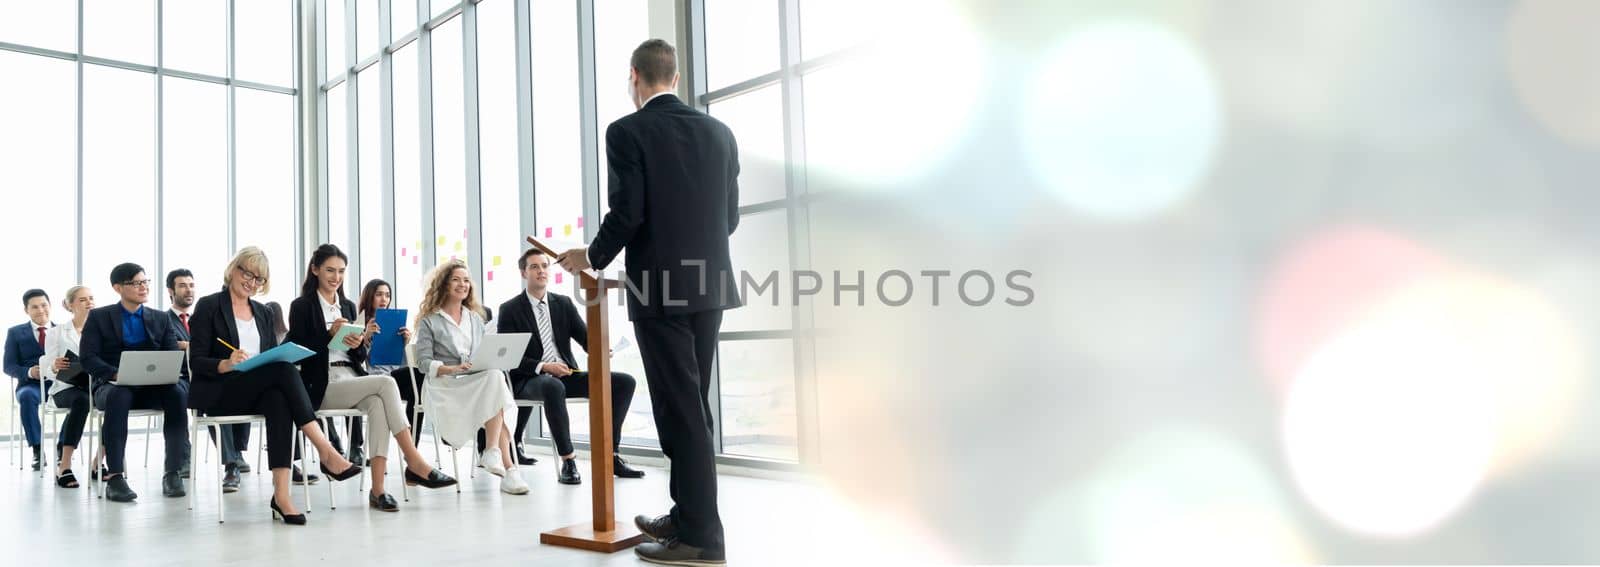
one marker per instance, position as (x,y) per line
(580,222)
(558,277)
(549,232)
(566,231)
(458,246)
(489,275)
(463,233)
(414,260)
(418,245)
(403,252)
(441,240)
(496,262)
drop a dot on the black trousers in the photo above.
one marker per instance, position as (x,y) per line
(76,402)
(554,392)
(116,401)
(274,391)
(678,356)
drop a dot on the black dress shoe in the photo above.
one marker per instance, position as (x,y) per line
(674,552)
(383,502)
(358,456)
(184,471)
(35,457)
(172,485)
(435,479)
(244,467)
(657,529)
(569,472)
(117,490)
(346,474)
(291,519)
(622,470)
(297,478)
(230,480)
(523,459)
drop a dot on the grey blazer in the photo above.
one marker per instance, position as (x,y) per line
(435,347)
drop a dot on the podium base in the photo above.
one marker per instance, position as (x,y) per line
(584,536)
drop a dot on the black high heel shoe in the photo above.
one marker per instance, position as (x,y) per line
(435,479)
(346,474)
(291,519)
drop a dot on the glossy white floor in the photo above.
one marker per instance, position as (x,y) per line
(480,526)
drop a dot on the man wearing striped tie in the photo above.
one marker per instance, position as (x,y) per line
(549,372)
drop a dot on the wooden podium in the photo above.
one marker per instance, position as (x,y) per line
(602,533)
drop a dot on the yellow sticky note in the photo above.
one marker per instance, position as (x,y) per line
(418,246)
(566,230)
(441,241)
(497,261)
(458,246)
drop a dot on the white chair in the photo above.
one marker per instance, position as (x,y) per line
(322,415)
(213,422)
(49,410)
(96,415)
(418,409)
(536,421)
(15,446)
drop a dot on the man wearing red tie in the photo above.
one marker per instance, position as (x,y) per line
(24,346)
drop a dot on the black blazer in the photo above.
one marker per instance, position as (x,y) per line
(213,319)
(177,325)
(516,316)
(308,328)
(103,345)
(674,196)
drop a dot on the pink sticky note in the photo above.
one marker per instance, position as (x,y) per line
(463,233)
(489,275)
(580,222)
(558,277)
(403,252)
(452,258)
(549,232)
(414,259)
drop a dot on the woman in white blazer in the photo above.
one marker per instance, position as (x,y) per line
(449,328)
(58,342)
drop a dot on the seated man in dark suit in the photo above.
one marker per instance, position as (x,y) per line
(24,346)
(110,331)
(549,372)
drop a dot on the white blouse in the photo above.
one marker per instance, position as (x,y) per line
(249,336)
(57,341)
(331,312)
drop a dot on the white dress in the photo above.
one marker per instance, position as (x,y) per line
(457,405)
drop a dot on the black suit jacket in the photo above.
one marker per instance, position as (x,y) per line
(309,328)
(177,325)
(103,343)
(516,316)
(213,319)
(674,197)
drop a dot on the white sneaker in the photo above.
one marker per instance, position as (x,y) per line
(512,483)
(490,461)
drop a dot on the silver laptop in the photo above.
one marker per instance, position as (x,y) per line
(149,367)
(500,351)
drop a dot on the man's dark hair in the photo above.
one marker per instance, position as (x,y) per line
(656,61)
(32,293)
(522,262)
(172,277)
(124,272)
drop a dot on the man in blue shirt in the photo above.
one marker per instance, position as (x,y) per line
(128,326)
(24,346)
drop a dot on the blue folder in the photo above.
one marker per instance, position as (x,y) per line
(388,347)
(286,352)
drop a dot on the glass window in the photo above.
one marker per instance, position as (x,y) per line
(44,165)
(557,153)
(827,26)
(264,42)
(265,184)
(619,27)
(194,36)
(367,40)
(497,110)
(756,119)
(194,183)
(741,40)
(51,25)
(370,200)
(760,248)
(402,18)
(407,181)
(119,177)
(124,30)
(449,144)
(756,381)
(440,7)
(339,228)
(333,50)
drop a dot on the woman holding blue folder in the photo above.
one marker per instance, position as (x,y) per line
(377,296)
(228,318)
(320,319)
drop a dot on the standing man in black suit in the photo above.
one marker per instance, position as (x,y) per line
(128,325)
(674,199)
(549,372)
